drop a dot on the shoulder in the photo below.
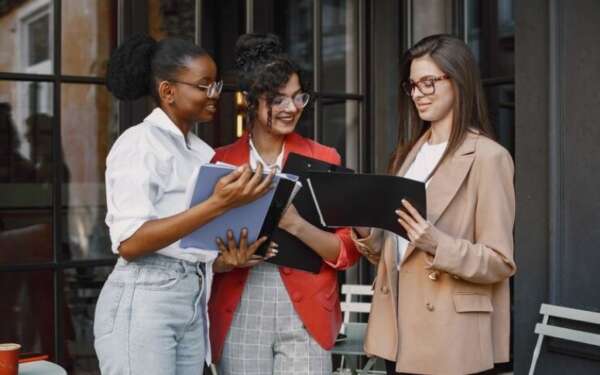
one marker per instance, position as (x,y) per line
(488,149)
(137,142)
(235,150)
(492,157)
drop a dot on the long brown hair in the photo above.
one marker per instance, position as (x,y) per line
(455,59)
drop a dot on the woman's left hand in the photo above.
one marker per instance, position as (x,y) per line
(422,233)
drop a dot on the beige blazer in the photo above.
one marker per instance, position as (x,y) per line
(450,314)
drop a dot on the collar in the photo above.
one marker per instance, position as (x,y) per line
(160,119)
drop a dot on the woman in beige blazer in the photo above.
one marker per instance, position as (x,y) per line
(441,302)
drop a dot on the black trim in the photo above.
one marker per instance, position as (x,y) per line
(5,76)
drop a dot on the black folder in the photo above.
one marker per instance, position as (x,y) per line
(293,252)
(364,200)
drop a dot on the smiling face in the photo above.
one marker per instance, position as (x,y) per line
(190,102)
(439,105)
(283,117)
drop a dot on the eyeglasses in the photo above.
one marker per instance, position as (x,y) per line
(213,90)
(425,85)
(299,100)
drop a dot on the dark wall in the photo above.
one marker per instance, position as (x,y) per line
(557,233)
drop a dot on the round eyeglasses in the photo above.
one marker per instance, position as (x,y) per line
(425,85)
(213,90)
(299,100)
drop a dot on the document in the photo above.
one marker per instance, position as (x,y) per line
(364,200)
(293,252)
(254,216)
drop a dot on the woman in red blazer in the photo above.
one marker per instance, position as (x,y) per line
(265,318)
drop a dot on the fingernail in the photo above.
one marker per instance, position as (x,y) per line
(403,201)
(398,212)
(245,231)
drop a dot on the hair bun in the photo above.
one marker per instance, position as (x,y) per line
(252,50)
(129,69)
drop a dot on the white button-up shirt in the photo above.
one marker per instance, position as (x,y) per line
(148,171)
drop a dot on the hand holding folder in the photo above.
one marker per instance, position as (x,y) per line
(292,251)
(363,200)
(253,215)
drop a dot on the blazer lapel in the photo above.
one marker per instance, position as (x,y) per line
(446,181)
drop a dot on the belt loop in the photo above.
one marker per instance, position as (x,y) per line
(200,272)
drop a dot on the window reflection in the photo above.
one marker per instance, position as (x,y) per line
(339,129)
(26,175)
(89,127)
(27,310)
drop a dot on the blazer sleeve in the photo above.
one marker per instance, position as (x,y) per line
(490,258)
(348,254)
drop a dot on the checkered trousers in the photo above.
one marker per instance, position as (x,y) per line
(267,336)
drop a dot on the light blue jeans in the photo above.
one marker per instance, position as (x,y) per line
(150,318)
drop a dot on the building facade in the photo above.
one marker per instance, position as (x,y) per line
(58,121)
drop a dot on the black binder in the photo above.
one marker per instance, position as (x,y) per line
(363,200)
(293,252)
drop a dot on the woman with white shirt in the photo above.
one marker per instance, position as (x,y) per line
(151,314)
(441,299)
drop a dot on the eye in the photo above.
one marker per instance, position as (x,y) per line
(427,83)
(278,100)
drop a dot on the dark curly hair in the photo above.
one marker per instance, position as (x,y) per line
(263,69)
(137,66)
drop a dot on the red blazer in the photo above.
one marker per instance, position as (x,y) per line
(315,297)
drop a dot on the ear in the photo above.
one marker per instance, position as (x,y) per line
(166,92)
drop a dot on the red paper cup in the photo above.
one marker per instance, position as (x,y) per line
(9,359)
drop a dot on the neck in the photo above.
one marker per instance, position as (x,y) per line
(441,129)
(182,124)
(267,144)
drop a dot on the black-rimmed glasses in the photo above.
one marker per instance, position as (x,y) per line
(425,85)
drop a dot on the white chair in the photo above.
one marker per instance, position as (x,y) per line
(354,332)
(545,329)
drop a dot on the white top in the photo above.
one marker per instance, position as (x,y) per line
(255,158)
(147,172)
(426,160)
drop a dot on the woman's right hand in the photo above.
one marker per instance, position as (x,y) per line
(233,256)
(242,186)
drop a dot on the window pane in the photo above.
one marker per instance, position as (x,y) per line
(491,36)
(27,310)
(339,43)
(89,127)
(294,25)
(39,40)
(501,103)
(26,172)
(339,129)
(26,29)
(81,287)
(89,33)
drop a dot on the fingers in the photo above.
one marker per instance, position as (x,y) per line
(272,251)
(255,179)
(252,249)
(412,235)
(231,241)
(245,177)
(264,186)
(233,176)
(407,219)
(221,245)
(413,211)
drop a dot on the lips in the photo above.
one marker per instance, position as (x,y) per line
(211,108)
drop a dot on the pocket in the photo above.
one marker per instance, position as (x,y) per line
(156,278)
(471,302)
(107,307)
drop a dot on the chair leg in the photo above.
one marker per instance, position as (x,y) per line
(370,363)
(536,354)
